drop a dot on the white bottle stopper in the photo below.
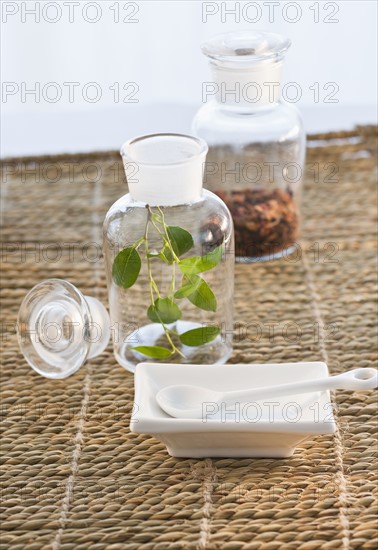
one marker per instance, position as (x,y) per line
(247,67)
(164,169)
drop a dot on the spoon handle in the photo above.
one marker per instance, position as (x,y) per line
(356,379)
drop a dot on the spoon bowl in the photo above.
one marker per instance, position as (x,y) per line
(185,401)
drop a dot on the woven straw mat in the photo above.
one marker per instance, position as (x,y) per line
(74,477)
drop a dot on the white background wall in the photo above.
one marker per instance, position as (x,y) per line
(155,44)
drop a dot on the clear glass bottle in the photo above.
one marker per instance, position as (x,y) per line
(168,248)
(256,142)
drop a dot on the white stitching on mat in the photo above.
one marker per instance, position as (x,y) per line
(74,466)
(208,489)
(340,478)
(78,441)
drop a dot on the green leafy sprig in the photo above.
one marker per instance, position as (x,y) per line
(175,242)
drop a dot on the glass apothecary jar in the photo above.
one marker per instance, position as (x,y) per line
(256,142)
(168,248)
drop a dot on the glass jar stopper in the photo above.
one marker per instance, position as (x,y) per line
(246,46)
(58,328)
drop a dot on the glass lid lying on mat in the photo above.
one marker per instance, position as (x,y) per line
(58,328)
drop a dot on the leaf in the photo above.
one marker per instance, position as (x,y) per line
(190,284)
(199,336)
(181,240)
(164,311)
(166,255)
(202,297)
(157,352)
(198,293)
(198,264)
(126,267)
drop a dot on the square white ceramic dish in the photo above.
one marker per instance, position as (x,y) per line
(259,429)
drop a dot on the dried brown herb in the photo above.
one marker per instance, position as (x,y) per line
(266,221)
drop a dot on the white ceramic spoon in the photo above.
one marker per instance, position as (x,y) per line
(187,401)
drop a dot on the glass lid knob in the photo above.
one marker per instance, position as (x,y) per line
(58,328)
